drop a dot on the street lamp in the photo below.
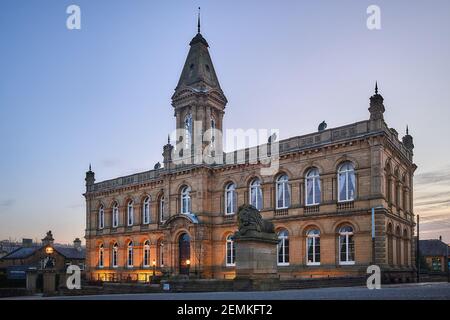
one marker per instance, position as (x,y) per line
(188,264)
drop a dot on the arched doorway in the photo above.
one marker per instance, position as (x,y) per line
(184,249)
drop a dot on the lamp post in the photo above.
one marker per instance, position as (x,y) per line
(188,265)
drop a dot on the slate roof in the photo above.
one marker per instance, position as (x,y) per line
(71,253)
(67,252)
(433,247)
(21,253)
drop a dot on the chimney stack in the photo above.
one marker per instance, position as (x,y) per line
(27,243)
(440,238)
(77,244)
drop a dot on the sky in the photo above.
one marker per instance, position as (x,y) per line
(101,94)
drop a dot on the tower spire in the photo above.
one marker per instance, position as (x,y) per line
(198,21)
(376,87)
(407,130)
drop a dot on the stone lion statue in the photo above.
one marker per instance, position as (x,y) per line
(249,219)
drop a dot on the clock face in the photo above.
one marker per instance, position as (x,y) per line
(49,250)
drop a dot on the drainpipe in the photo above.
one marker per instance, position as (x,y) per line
(418,252)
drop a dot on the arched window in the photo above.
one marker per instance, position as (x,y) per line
(256,194)
(388,187)
(213,133)
(313,247)
(115,215)
(231,251)
(101,217)
(115,253)
(312,187)
(346,246)
(130,213)
(282,192)
(390,245)
(161,209)
(161,253)
(283,248)
(398,244)
(346,182)
(100,256)
(230,199)
(146,210)
(405,248)
(130,263)
(186,200)
(397,195)
(146,257)
(188,131)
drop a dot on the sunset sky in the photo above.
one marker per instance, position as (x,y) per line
(101,94)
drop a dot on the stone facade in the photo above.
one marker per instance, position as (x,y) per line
(383,171)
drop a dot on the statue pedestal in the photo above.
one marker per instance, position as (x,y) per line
(31,280)
(49,279)
(256,261)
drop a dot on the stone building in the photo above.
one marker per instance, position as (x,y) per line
(41,257)
(179,218)
(434,254)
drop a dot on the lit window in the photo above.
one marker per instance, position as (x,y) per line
(256,194)
(100,256)
(130,213)
(161,253)
(130,255)
(283,248)
(231,251)
(312,187)
(146,211)
(186,200)
(230,199)
(115,215)
(313,247)
(146,258)
(282,192)
(346,246)
(115,253)
(101,217)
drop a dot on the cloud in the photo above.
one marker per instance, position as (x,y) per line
(75,206)
(438,176)
(7,203)
(108,163)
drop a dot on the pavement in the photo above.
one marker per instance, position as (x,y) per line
(412,291)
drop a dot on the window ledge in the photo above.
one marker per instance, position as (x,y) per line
(347,263)
(284,264)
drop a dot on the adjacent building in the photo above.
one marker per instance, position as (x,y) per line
(39,257)
(179,218)
(434,254)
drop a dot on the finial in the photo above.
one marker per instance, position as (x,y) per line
(407,130)
(376,87)
(90,167)
(168,139)
(198,21)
